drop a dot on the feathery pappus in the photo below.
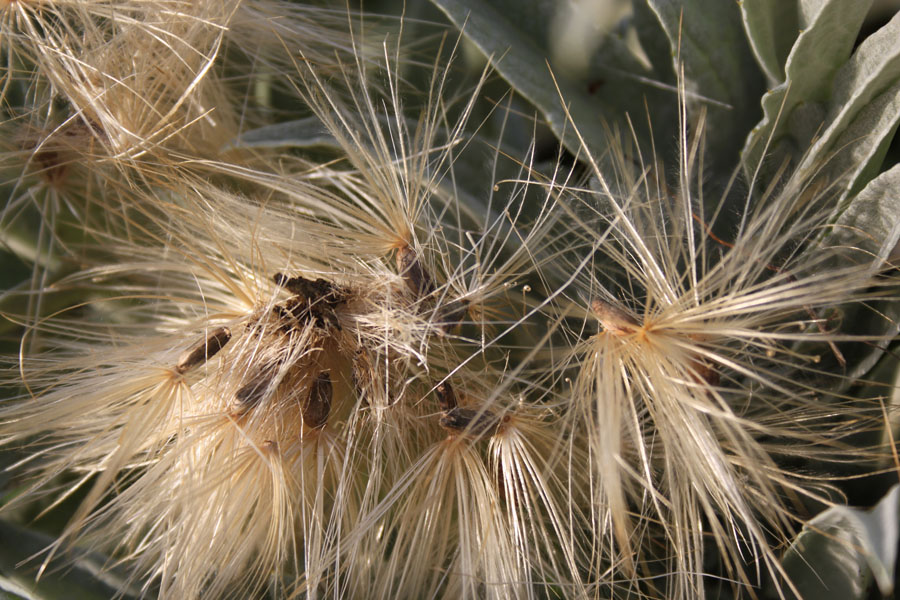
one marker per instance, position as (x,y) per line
(246,393)
(702,368)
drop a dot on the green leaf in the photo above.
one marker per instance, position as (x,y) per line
(86,578)
(517,36)
(890,375)
(830,28)
(883,383)
(654,42)
(862,112)
(861,120)
(871,221)
(301,133)
(869,231)
(707,37)
(840,551)
(772,27)
(865,141)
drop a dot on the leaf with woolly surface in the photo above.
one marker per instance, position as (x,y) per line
(518,38)
(707,38)
(842,550)
(772,27)
(862,112)
(830,28)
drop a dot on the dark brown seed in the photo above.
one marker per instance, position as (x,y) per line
(703,372)
(318,405)
(251,393)
(453,314)
(203,351)
(474,423)
(446,397)
(313,291)
(417,279)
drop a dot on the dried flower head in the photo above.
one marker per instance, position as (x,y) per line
(702,370)
(347,366)
(245,391)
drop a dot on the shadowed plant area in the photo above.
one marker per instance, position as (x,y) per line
(449,299)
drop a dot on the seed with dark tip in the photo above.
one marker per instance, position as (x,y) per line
(703,372)
(204,351)
(417,279)
(453,313)
(446,397)
(475,423)
(614,319)
(251,393)
(318,405)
